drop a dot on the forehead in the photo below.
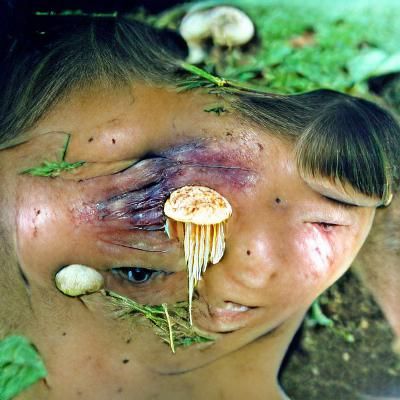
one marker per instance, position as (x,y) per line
(131,121)
(125,123)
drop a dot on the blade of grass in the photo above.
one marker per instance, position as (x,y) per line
(171,336)
(171,322)
(52,168)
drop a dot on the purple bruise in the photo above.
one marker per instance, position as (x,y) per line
(134,203)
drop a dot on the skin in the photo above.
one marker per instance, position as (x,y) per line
(286,243)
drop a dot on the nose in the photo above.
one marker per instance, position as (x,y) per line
(253,258)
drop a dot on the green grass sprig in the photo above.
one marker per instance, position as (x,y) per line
(216,85)
(52,168)
(170,322)
(215,80)
(216,109)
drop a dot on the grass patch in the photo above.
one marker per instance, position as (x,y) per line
(170,322)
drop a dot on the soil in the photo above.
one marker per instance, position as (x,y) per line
(349,361)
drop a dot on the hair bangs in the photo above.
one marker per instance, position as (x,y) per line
(346,144)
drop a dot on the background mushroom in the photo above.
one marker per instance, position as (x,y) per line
(197,216)
(226,25)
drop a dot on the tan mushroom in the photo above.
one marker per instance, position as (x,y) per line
(197,216)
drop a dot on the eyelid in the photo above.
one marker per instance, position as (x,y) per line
(333,212)
(331,216)
(121,271)
(162,287)
(331,221)
(326,226)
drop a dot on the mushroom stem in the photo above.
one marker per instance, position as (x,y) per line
(202,244)
(197,216)
(226,25)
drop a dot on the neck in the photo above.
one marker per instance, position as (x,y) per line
(252,371)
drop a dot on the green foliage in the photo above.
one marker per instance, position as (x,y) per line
(340,34)
(20,366)
(306,44)
(316,317)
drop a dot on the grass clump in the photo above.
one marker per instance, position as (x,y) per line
(170,322)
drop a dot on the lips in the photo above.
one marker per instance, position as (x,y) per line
(230,309)
(224,318)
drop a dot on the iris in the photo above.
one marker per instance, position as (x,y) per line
(136,275)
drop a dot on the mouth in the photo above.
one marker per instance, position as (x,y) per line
(225,318)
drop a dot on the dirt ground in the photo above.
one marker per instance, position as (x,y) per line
(351,360)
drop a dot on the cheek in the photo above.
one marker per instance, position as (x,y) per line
(315,252)
(44,227)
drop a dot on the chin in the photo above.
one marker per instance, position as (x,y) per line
(228,338)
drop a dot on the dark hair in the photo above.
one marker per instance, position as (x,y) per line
(336,135)
(43,68)
(355,141)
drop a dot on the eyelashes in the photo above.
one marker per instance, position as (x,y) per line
(326,226)
(136,275)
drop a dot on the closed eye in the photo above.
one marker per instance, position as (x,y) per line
(326,226)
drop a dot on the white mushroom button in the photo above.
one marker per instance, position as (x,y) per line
(227,26)
(197,216)
(76,280)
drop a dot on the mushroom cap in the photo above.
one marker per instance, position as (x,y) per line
(77,280)
(195,26)
(227,25)
(230,26)
(197,204)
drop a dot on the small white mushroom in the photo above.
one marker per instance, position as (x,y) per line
(76,280)
(197,216)
(226,25)
(195,29)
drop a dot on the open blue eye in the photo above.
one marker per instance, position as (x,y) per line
(135,274)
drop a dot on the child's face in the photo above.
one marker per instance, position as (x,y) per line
(286,242)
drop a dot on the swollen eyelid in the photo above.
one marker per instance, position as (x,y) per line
(130,213)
